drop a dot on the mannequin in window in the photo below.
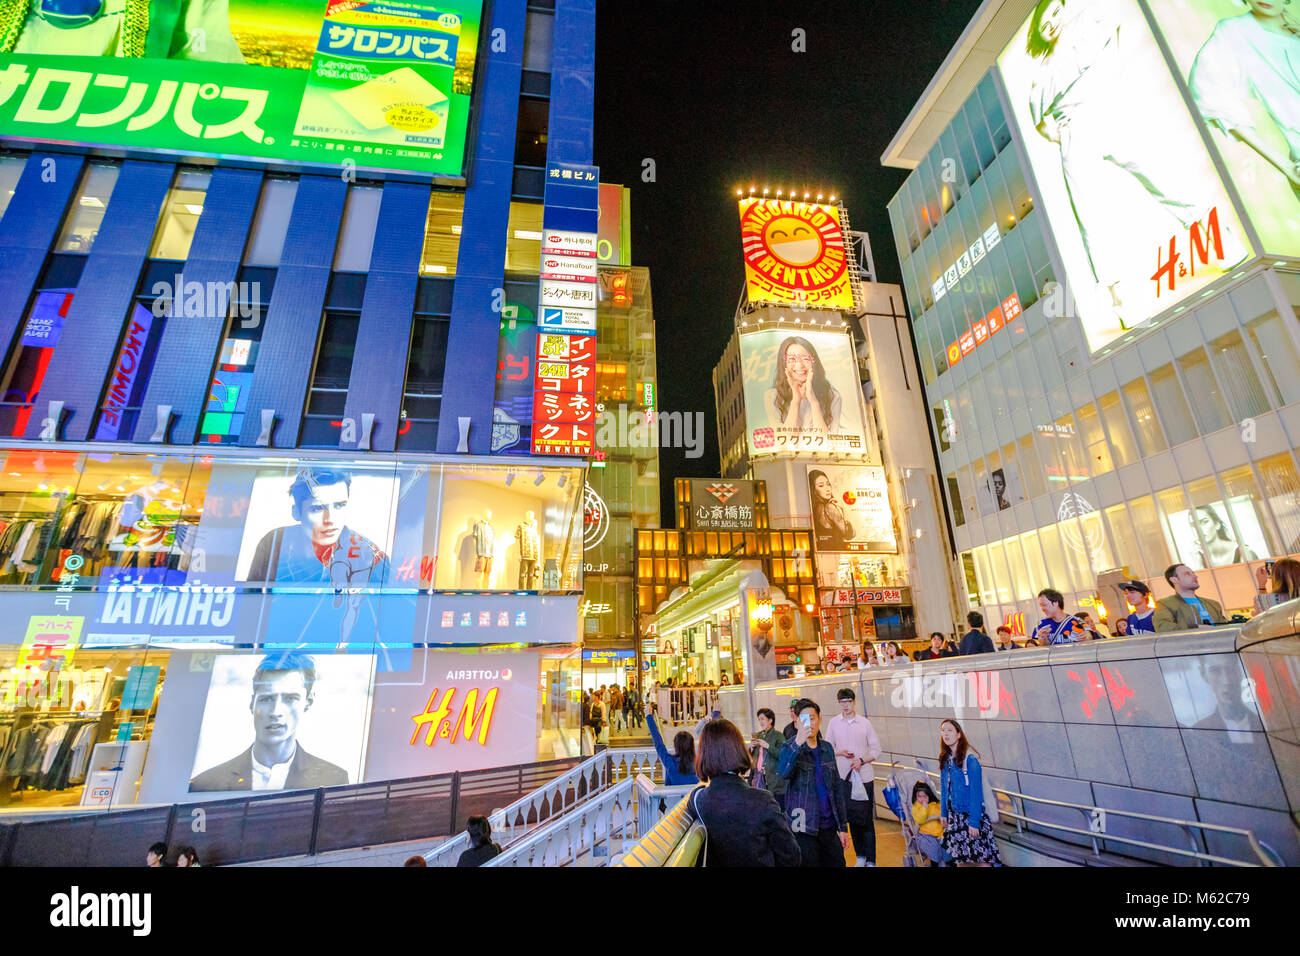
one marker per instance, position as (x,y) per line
(530,550)
(483,539)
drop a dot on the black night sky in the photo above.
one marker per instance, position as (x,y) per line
(713,93)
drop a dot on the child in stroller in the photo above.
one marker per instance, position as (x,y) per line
(925,817)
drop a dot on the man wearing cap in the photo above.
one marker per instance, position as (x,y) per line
(1139,596)
(856,746)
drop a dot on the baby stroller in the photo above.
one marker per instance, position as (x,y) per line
(898,797)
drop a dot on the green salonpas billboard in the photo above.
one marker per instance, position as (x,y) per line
(384,84)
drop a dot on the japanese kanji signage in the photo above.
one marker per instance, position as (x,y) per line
(847,597)
(50,642)
(722,505)
(384,84)
(564,412)
(795,253)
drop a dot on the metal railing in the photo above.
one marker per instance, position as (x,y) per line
(555,798)
(284,824)
(1264,854)
(589,834)
(653,800)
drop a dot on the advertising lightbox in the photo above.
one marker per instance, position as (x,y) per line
(1139,212)
(283,721)
(384,83)
(802,393)
(1241,63)
(849,507)
(795,253)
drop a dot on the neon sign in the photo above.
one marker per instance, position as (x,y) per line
(436,723)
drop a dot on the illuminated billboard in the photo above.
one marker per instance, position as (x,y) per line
(1137,208)
(1241,62)
(849,509)
(383,83)
(795,253)
(802,393)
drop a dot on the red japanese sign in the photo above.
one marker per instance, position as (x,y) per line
(561,439)
(575,408)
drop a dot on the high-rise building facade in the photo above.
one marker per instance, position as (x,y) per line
(1104,309)
(290,410)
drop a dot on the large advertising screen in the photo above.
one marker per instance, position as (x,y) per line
(1241,62)
(1139,213)
(283,721)
(383,83)
(802,393)
(795,254)
(1203,536)
(849,507)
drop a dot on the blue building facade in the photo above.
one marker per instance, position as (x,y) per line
(205,358)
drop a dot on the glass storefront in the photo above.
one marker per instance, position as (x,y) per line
(77,520)
(192,624)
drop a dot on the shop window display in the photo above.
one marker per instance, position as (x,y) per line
(69,716)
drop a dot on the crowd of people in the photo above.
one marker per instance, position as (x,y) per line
(156,856)
(611,706)
(801,796)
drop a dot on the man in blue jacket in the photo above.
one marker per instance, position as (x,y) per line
(814,801)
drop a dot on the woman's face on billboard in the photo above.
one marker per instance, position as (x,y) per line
(798,363)
(822,485)
(1049,27)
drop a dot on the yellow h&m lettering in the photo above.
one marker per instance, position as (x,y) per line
(484,714)
(433,716)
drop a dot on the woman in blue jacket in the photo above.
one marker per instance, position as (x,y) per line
(967,832)
(679,766)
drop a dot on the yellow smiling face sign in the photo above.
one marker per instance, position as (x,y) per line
(795,253)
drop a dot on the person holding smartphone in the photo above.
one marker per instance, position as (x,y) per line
(814,801)
(856,746)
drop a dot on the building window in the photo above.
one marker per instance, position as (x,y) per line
(271,223)
(1151,536)
(1094,440)
(81,225)
(11,168)
(1203,390)
(1121,437)
(1171,405)
(227,398)
(524,238)
(538,32)
(329,382)
(1143,416)
(357,230)
(180,215)
(26,372)
(531,131)
(1122,535)
(422,398)
(1281,489)
(1241,385)
(1277,356)
(442,233)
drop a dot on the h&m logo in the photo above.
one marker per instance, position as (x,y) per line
(474,718)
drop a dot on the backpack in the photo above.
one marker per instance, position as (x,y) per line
(990,801)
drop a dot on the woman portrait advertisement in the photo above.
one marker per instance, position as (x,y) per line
(1241,61)
(801,398)
(1116,185)
(831,526)
(1220,546)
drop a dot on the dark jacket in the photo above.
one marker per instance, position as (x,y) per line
(478,855)
(797,767)
(672,776)
(771,757)
(789,731)
(745,825)
(305,773)
(976,641)
(929,655)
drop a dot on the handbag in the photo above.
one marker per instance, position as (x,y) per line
(699,827)
(857,789)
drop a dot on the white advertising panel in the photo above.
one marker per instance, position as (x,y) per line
(849,505)
(802,393)
(557,319)
(1138,210)
(559,242)
(571,294)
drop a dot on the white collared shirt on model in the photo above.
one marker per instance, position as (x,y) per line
(855,735)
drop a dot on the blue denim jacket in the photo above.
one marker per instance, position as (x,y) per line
(954,788)
(796,766)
